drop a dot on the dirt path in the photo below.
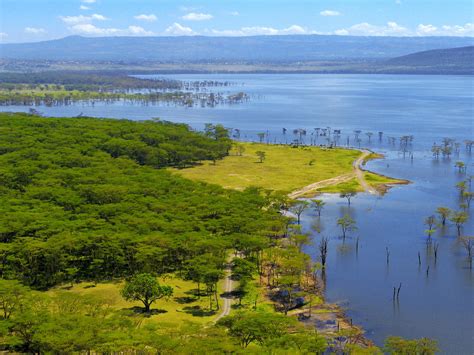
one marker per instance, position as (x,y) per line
(357,173)
(226,295)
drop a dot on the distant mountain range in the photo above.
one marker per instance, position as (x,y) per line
(462,57)
(273,49)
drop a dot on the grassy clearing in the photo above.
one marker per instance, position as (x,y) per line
(183,306)
(284,168)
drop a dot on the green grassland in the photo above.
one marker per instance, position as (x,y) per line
(285,168)
(183,306)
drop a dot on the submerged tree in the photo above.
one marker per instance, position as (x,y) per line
(348,194)
(444,213)
(458,218)
(347,224)
(318,206)
(298,207)
(323,251)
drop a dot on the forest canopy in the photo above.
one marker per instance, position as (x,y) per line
(82,199)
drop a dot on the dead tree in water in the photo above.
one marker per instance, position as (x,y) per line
(323,251)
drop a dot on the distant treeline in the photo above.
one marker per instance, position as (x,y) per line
(53,97)
(85,80)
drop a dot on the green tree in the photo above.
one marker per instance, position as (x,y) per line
(400,346)
(12,294)
(348,194)
(256,327)
(146,289)
(444,213)
(261,155)
(318,206)
(458,218)
(347,224)
(298,207)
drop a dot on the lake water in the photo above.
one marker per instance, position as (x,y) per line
(437,304)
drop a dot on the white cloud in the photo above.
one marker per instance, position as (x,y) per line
(83,7)
(398,2)
(178,30)
(34,30)
(234,13)
(74,20)
(394,29)
(91,30)
(145,17)
(466,30)
(261,30)
(366,29)
(3,36)
(329,13)
(197,16)
(89,1)
(426,30)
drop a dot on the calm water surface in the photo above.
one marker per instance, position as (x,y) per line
(439,304)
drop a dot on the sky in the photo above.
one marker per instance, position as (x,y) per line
(38,20)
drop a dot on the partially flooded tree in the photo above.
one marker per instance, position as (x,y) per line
(318,206)
(430,221)
(347,224)
(467,196)
(460,166)
(461,186)
(444,213)
(458,218)
(468,244)
(323,251)
(348,194)
(298,207)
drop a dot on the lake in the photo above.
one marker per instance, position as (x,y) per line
(437,302)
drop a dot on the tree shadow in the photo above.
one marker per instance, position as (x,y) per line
(140,310)
(197,311)
(185,299)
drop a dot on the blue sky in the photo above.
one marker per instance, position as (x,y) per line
(35,20)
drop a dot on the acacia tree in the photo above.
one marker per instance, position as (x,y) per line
(347,224)
(444,213)
(430,221)
(261,155)
(461,186)
(468,196)
(146,289)
(348,195)
(11,295)
(298,208)
(423,346)
(458,218)
(240,149)
(460,165)
(318,206)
